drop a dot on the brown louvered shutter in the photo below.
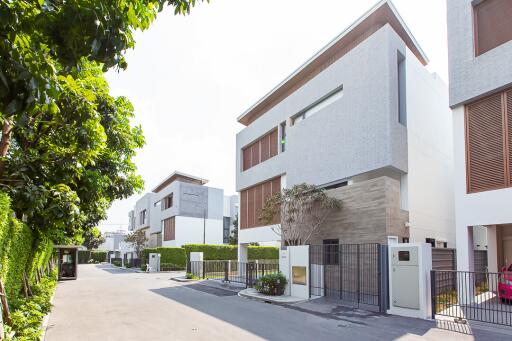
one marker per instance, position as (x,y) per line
(243,209)
(251,221)
(485,141)
(508,105)
(246,158)
(493,24)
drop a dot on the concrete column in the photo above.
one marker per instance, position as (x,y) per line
(465,252)
(492,248)
(243,254)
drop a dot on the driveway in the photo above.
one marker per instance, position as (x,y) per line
(107,303)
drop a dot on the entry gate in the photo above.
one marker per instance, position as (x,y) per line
(476,296)
(232,271)
(352,273)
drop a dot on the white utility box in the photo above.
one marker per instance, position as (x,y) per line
(409,279)
(154,262)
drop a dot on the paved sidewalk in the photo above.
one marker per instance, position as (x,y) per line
(107,303)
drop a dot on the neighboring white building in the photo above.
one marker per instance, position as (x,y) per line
(182,210)
(364,119)
(480,55)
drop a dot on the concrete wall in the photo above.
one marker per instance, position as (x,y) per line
(370,212)
(358,133)
(189,230)
(144,203)
(470,76)
(430,199)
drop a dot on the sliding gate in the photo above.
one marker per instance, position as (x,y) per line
(352,273)
(472,295)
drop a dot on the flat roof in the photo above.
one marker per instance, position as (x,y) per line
(384,12)
(177,175)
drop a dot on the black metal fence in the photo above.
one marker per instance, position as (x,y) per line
(354,273)
(477,296)
(232,271)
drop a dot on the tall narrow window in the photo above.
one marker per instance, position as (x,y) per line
(167,202)
(402,88)
(492,21)
(283,136)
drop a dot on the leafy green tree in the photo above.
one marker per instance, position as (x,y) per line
(66,145)
(93,239)
(302,210)
(138,240)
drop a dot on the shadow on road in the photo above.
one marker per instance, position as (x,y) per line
(114,270)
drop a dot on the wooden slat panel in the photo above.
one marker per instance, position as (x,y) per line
(258,204)
(246,158)
(273,143)
(508,104)
(276,188)
(255,154)
(260,150)
(485,145)
(243,209)
(251,215)
(265,148)
(493,24)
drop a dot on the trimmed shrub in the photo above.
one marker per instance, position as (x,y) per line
(213,252)
(117,262)
(170,256)
(85,256)
(272,284)
(263,252)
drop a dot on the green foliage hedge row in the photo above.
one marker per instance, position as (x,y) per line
(84,256)
(169,255)
(230,252)
(29,312)
(20,250)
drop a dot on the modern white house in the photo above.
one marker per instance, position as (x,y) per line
(364,119)
(480,70)
(182,210)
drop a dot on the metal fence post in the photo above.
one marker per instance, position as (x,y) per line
(204,270)
(358,277)
(433,293)
(226,269)
(379,278)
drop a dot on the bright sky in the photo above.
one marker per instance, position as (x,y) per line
(190,77)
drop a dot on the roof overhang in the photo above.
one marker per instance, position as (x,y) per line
(384,12)
(180,176)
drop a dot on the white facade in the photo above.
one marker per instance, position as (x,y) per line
(363,132)
(190,230)
(429,177)
(194,207)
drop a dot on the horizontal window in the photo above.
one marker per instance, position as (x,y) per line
(252,200)
(261,150)
(319,105)
(492,20)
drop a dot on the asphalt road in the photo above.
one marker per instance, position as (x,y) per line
(107,303)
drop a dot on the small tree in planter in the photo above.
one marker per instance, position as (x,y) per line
(303,208)
(272,284)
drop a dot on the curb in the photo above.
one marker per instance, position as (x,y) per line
(269,299)
(46,318)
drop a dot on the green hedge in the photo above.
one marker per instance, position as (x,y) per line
(263,252)
(20,250)
(213,252)
(98,256)
(230,252)
(169,255)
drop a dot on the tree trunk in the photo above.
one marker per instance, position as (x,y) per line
(5,142)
